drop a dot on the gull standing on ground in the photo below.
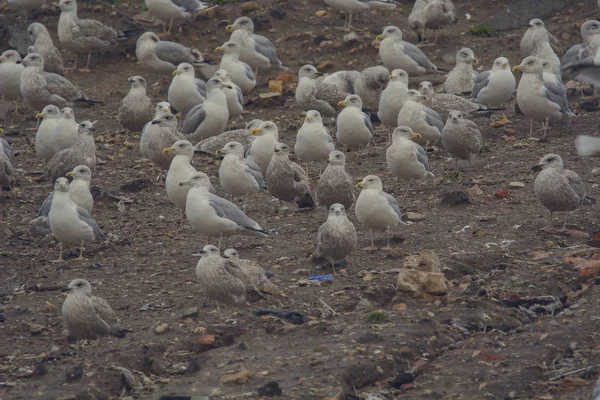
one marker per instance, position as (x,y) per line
(240,73)
(255,273)
(495,87)
(83,35)
(44,46)
(392,98)
(263,46)
(262,148)
(185,91)
(461,137)
(136,108)
(558,189)
(432,14)
(540,101)
(239,176)
(234,95)
(312,94)
(242,136)
(81,153)
(461,78)
(163,56)
(354,129)
(157,135)
(406,159)
(313,140)
(180,170)
(287,181)
(370,84)
(376,209)
(248,52)
(210,117)
(442,103)
(336,238)
(420,119)
(7,171)
(40,88)
(11,69)
(211,215)
(69,223)
(343,80)
(396,53)
(335,185)
(168,11)
(45,136)
(536,32)
(66,130)
(351,7)
(88,317)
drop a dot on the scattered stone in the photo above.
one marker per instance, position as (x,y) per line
(455,198)
(36,329)
(238,378)
(207,339)
(402,379)
(475,191)
(276,86)
(250,6)
(321,13)
(191,312)
(270,99)
(75,374)
(193,366)
(40,370)
(412,216)
(270,389)
(285,77)
(5,231)
(516,185)
(414,281)
(324,65)
(162,327)
(427,261)
(369,337)
(278,13)
(350,37)
(136,185)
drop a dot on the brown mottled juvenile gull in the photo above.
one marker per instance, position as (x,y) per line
(234,95)
(336,238)
(351,7)
(44,46)
(536,32)
(45,136)
(40,88)
(335,184)
(354,129)
(136,108)
(210,117)
(432,14)
(287,181)
(540,101)
(262,45)
(169,11)
(70,224)
(421,119)
(558,189)
(461,137)
(406,159)
(222,280)
(66,130)
(185,91)
(376,209)
(462,76)
(243,136)
(211,215)
(396,53)
(239,176)
(240,73)
(7,171)
(157,135)
(163,56)
(88,317)
(83,35)
(370,84)
(262,148)
(81,153)
(343,80)
(312,94)
(444,102)
(313,140)
(10,76)
(495,87)
(392,98)
(255,273)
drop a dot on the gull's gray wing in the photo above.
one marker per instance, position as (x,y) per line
(189,5)
(249,73)
(61,86)
(174,53)
(253,169)
(45,207)
(432,118)
(266,48)
(368,124)
(585,71)
(575,54)
(194,119)
(556,94)
(240,95)
(422,156)
(481,80)
(416,54)
(201,85)
(226,209)
(329,137)
(86,217)
(393,203)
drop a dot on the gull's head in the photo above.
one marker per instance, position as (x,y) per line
(232,148)
(33,60)
(546,66)
(267,127)
(313,116)
(82,172)
(137,81)
(148,38)
(455,116)
(61,185)
(466,56)
(162,107)
(50,112)
(281,149)
(223,75)
(229,48)
(67,113)
(370,182)
(86,128)
(243,23)
(381,75)
(501,63)
(414,95)
(231,254)
(10,57)
(309,71)
(399,75)
(535,23)
(405,132)
(180,147)
(352,100)
(531,64)
(549,161)
(209,251)
(216,83)
(336,157)
(184,69)
(79,286)
(337,210)
(166,120)
(67,5)
(253,124)
(589,28)
(198,180)
(36,29)
(390,32)
(426,88)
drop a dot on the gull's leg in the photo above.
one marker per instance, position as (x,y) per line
(372,247)
(388,247)
(80,252)
(279,208)
(407,187)
(74,66)
(550,226)
(181,218)
(531,128)
(564,225)
(349,20)
(218,310)
(545,126)
(59,259)
(87,66)
(332,268)
(220,241)
(17,108)
(168,31)
(245,202)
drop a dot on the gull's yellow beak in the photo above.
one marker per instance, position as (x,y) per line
(476,61)
(360,185)
(379,37)
(217,152)
(69,173)
(223,78)
(504,65)
(308,118)
(168,149)
(516,68)
(220,48)
(228,28)
(341,103)
(40,115)
(254,131)
(176,72)
(416,135)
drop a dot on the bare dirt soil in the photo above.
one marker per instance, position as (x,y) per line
(492,336)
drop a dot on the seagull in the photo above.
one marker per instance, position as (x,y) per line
(396,53)
(335,184)
(239,176)
(392,99)
(262,45)
(312,94)
(461,137)
(11,68)
(354,128)
(185,91)
(254,271)
(461,78)
(420,119)
(243,136)
(336,238)
(262,148)
(495,87)
(536,32)
(240,73)
(169,11)
(432,14)
(83,152)
(234,95)
(406,159)
(136,108)
(157,135)
(44,46)
(351,7)
(313,140)
(66,130)
(46,133)
(370,84)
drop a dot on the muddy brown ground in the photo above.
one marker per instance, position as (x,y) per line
(480,341)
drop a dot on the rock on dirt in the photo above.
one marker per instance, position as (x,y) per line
(410,280)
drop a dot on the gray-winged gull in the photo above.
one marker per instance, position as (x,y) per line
(211,215)
(70,224)
(261,149)
(169,11)
(180,170)
(392,98)
(376,209)
(212,144)
(432,14)
(240,73)
(336,238)
(351,7)
(396,53)
(46,133)
(370,84)
(44,46)
(255,273)
(10,76)
(157,135)
(313,140)
(312,94)
(234,95)
(406,159)
(185,91)
(420,119)
(239,176)
(462,76)
(262,45)
(136,108)
(442,103)
(335,184)
(354,129)
(495,87)
(210,117)
(544,51)
(287,181)
(66,130)
(461,137)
